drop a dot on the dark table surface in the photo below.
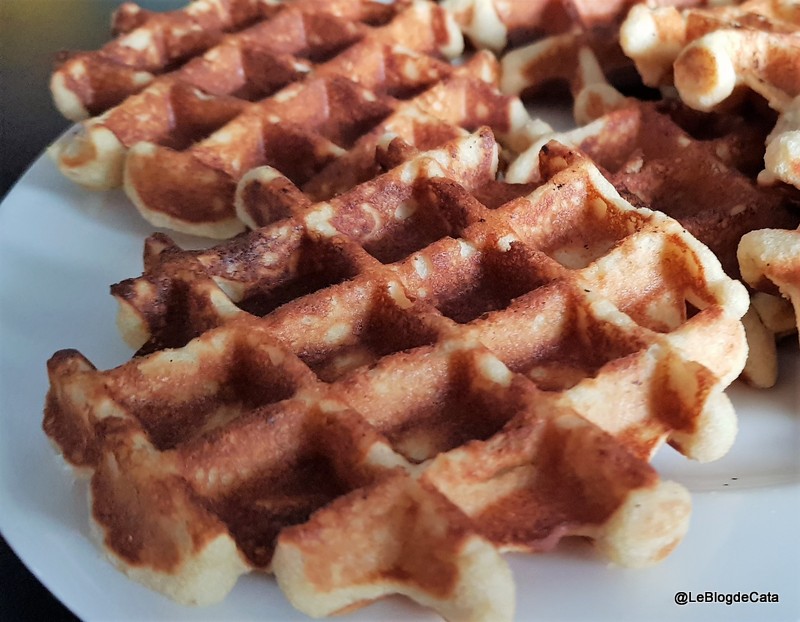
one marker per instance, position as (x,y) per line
(32,32)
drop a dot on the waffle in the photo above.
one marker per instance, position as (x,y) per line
(647,155)
(381,392)
(201,95)
(711,53)
(190,102)
(710,156)
(265,194)
(647,150)
(150,45)
(304,149)
(769,264)
(264,98)
(86,84)
(782,154)
(718,58)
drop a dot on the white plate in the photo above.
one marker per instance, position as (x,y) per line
(60,249)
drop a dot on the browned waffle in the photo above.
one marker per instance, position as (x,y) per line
(151,44)
(592,27)
(381,391)
(707,184)
(184,141)
(190,102)
(319,136)
(715,57)
(699,168)
(713,158)
(710,53)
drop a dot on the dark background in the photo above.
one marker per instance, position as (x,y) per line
(31,34)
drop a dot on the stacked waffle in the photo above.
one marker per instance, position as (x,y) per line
(709,53)
(498,24)
(306,92)
(647,154)
(446,335)
(715,58)
(733,64)
(456,380)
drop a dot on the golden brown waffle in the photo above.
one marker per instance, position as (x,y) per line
(381,391)
(593,27)
(467,99)
(699,168)
(713,52)
(703,183)
(150,45)
(714,158)
(89,83)
(207,91)
(714,56)
(718,58)
(319,135)
(187,104)
(184,142)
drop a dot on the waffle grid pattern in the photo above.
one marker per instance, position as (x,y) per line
(449,332)
(436,355)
